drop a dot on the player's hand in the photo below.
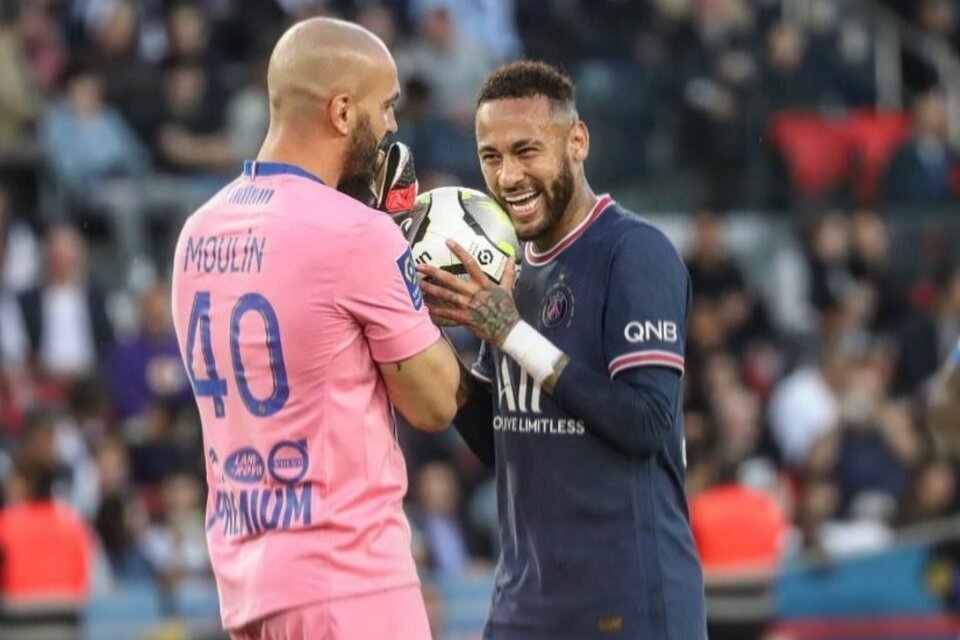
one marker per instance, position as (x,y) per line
(394,189)
(486,309)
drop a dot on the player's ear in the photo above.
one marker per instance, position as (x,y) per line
(578,142)
(341,113)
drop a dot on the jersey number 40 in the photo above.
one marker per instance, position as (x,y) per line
(216,387)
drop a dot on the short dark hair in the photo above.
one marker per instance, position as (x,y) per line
(529,79)
(39,477)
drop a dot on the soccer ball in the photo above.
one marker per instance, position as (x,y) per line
(469,217)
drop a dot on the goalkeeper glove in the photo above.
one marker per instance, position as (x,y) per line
(395,185)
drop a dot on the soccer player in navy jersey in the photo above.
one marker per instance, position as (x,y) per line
(576,396)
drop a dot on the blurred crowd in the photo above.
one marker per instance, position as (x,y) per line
(806,374)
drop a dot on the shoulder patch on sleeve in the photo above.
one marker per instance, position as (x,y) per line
(408,271)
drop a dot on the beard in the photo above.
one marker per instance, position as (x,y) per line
(360,165)
(556,200)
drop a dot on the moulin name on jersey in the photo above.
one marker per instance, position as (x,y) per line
(224,253)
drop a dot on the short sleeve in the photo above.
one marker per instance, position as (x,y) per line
(381,291)
(648,297)
(482,369)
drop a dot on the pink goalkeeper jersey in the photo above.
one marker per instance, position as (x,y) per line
(286,295)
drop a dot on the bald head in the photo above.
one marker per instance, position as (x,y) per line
(333,88)
(319,58)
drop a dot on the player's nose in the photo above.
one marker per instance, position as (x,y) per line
(511,173)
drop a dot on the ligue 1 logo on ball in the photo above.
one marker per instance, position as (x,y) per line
(557,306)
(484,257)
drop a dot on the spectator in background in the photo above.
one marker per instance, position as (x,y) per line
(933,493)
(805,405)
(875,447)
(19,250)
(943,408)
(20,97)
(192,140)
(715,276)
(65,317)
(927,337)
(717,74)
(491,23)
(188,36)
(46,555)
(857,473)
(742,534)
(157,447)
(433,600)
(53,439)
(16,388)
(86,140)
(131,83)
(436,517)
(147,368)
(841,302)
(922,171)
(451,64)
(19,267)
(788,81)
(871,267)
(786,292)
(937,22)
(712,271)
(712,27)
(381,21)
(738,423)
(121,518)
(120,524)
(248,109)
(45,43)
(828,256)
(176,544)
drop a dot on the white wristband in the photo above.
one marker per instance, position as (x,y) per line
(535,354)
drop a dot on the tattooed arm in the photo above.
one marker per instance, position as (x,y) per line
(486,309)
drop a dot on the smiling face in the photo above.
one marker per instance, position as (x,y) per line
(531,155)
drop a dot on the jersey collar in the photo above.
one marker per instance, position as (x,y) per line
(254,168)
(531,255)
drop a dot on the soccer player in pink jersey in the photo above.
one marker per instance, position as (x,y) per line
(301,323)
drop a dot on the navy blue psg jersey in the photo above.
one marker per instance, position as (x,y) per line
(595,543)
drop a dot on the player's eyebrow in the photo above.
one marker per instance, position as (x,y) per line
(526,142)
(392,99)
(515,147)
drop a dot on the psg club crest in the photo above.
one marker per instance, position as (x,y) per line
(557,307)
